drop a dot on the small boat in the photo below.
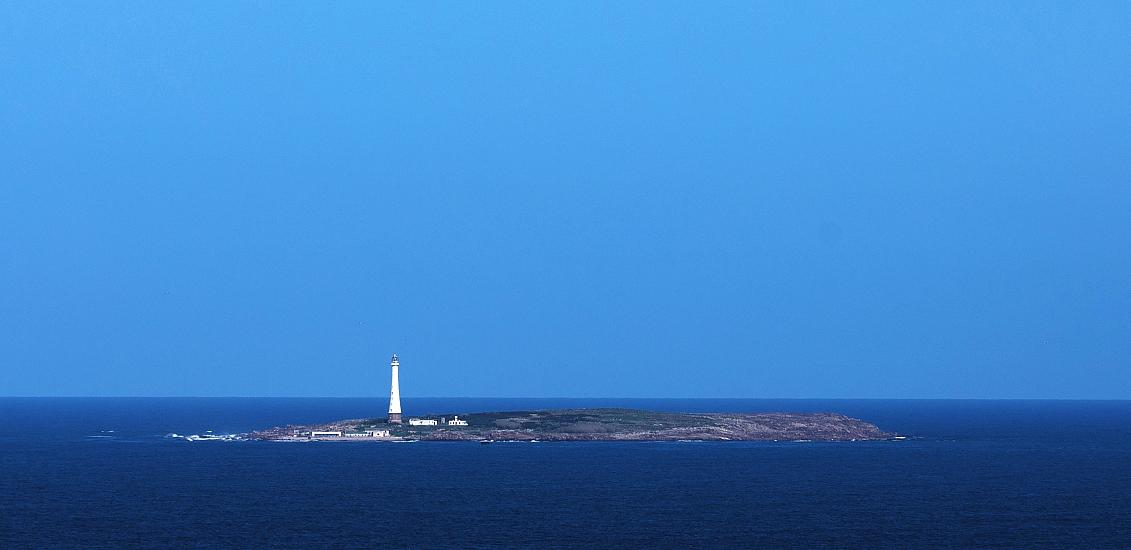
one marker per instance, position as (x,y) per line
(486,441)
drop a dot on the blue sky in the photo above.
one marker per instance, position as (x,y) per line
(815,199)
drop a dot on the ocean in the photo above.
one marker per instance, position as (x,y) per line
(98,472)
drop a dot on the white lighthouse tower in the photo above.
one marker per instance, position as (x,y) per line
(395,394)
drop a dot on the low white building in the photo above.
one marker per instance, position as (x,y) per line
(325,434)
(455,421)
(369,433)
(421,422)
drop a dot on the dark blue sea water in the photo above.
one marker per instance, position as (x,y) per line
(1022,474)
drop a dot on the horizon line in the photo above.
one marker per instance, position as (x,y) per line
(568,397)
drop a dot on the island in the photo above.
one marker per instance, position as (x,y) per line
(589,424)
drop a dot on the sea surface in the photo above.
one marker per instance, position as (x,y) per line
(99,472)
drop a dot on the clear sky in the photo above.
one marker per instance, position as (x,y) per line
(697,199)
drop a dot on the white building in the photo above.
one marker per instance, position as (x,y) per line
(369,433)
(455,421)
(325,434)
(421,422)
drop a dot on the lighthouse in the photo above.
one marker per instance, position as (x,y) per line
(395,394)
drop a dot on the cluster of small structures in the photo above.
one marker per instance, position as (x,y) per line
(395,403)
(365,430)
(455,421)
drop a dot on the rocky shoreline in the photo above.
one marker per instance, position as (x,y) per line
(594,425)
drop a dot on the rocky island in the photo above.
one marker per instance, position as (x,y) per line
(584,424)
(590,425)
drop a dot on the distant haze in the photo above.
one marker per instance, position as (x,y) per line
(566,199)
